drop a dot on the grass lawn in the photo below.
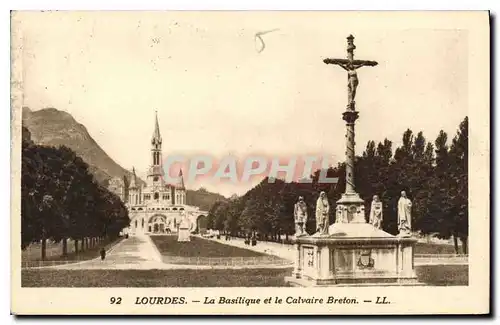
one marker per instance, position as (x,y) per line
(436,275)
(429,248)
(33,257)
(199,247)
(154,278)
(442,275)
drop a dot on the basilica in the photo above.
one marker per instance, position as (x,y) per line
(155,207)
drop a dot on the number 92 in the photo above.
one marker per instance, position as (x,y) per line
(115,300)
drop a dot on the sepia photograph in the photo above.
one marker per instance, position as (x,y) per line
(276,162)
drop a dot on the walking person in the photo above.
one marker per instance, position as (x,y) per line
(103,254)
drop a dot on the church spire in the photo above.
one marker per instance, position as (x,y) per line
(133,179)
(156,134)
(155,171)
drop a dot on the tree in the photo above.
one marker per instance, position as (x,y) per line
(46,192)
(220,216)
(419,176)
(439,204)
(249,215)
(30,196)
(211,214)
(232,215)
(458,176)
(60,198)
(285,211)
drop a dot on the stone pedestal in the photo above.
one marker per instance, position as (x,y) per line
(353,254)
(350,209)
(184,234)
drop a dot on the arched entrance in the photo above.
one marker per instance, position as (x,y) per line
(157,224)
(201,223)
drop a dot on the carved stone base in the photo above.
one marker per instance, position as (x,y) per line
(395,281)
(350,209)
(354,255)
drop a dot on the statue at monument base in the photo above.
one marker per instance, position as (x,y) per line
(404,215)
(322,214)
(300,214)
(376,213)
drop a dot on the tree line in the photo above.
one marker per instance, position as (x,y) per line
(433,174)
(61,200)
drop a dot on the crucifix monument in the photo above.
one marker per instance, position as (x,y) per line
(350,208)
(352,251)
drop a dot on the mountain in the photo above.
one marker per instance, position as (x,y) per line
(203,198)
(53,127)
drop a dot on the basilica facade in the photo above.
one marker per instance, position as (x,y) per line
(155,207)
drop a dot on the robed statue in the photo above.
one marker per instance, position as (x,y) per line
(300,214)
(322,214)
(404,215)
(376,213)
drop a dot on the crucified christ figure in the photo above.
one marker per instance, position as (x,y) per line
(350,65)
(352,80)
(352,76)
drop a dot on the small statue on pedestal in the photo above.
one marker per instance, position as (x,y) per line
(376,213)
(183,234)
(300,214)
(404,215)
(322,214)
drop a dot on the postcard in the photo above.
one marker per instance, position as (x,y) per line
(250,162)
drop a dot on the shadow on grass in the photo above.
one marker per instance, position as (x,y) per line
(443,275)
(155,278)
(430,248)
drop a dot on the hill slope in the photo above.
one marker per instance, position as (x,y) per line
(203,198)
(50,126)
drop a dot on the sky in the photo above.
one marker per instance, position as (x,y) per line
(216,94)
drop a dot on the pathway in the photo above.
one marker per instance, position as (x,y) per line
(281,250)
(135,252)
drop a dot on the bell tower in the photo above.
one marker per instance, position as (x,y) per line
(155,174)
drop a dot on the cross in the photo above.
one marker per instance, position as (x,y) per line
(351,65)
